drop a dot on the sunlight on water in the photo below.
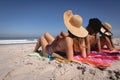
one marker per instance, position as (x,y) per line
(21,41)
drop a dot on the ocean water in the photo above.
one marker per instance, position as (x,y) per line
(17,40)
(24,40)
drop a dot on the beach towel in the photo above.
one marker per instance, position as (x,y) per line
(39,55)
(103,59)
(35,54)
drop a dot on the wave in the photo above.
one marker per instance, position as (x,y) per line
(18,41)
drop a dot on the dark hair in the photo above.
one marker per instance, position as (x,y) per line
(95,24)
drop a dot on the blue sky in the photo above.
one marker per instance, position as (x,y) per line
(34,17)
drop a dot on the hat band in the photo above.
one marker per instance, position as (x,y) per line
(108,33)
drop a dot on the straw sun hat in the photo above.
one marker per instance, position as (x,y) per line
(74,24)
(105,29)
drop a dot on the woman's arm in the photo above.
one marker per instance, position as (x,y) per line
(58,56)
(98,44)
(83,51)
(69,48)
(63,34)
(87,40)
(108,43)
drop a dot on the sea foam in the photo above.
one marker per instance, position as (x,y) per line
(21,41)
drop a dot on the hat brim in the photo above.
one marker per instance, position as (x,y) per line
(79,32)
(108,33)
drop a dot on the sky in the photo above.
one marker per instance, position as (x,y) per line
(35,17)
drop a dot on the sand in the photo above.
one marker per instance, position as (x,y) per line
(16,65)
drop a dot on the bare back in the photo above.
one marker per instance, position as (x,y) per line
(94,42)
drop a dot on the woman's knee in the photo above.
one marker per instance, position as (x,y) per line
(47,34)
(48,37)
(63,33)
(41,38)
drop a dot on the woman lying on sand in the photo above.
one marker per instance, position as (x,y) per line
(74,43)
(93,29)
(106,37)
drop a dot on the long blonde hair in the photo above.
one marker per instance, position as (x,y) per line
(77,41)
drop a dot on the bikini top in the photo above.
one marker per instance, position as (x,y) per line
(58,44)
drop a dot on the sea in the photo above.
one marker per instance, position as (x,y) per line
(17,40)
(21,40)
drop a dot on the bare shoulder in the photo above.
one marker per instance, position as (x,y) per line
(97,37)
(68,42)
(91,37)
(87,38)
(68,39)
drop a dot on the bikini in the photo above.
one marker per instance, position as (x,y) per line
(58,45)
(49,48)
(58,42)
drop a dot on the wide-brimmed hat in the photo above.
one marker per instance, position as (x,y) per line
(105,29)
(74,24)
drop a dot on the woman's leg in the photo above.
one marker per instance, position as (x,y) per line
(63,34)
(38,45)
(44,43)
(49,38)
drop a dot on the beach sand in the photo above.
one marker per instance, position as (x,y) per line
(15,64)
